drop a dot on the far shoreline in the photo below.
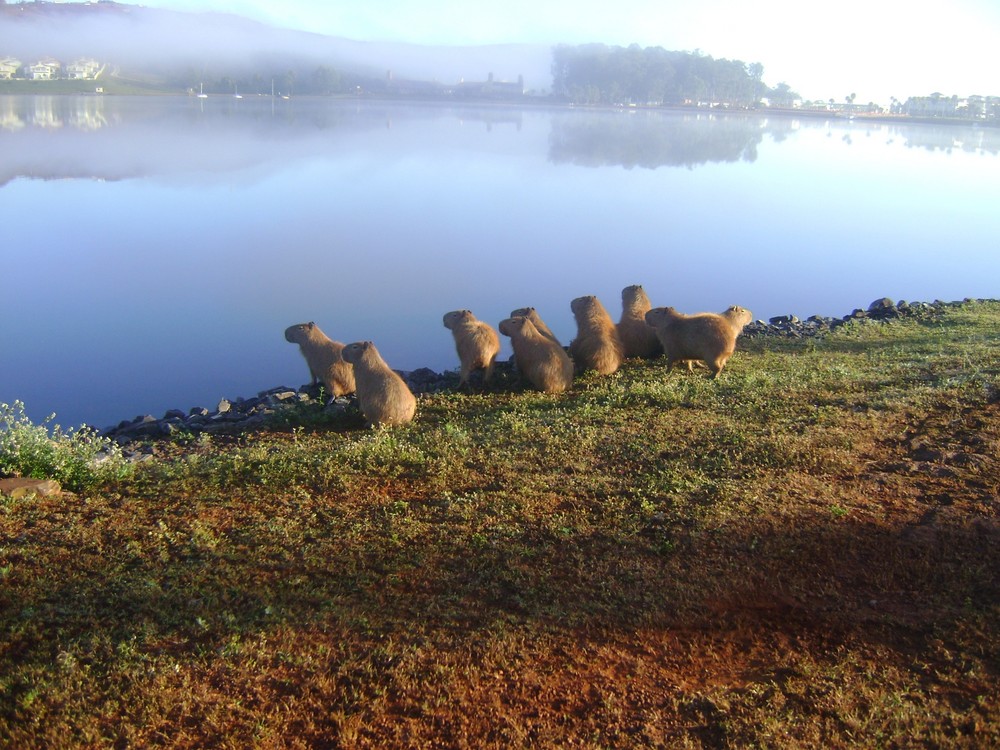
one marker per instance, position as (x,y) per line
(526,102)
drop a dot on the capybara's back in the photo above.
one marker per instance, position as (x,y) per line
(542,361)
(638,339)
(383,397)
(324,358)
(596,346)
(708,337)
(476,342)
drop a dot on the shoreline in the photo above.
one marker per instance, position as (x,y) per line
(233,415)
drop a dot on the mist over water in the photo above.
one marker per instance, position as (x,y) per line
(155,249)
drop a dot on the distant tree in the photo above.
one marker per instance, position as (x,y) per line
(599,74)
(782,95)
(756,72)
(324,80)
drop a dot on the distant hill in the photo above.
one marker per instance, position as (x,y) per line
(171,43)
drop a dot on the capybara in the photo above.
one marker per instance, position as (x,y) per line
(476,342)
(383,397)
(532,314)
(596,346)
(708,337)
(638,339)
(541,360)
(324,357)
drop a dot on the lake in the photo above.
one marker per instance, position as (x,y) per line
(155,249)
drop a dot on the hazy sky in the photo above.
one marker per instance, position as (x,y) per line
(874,48)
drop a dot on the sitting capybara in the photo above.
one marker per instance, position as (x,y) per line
(324,357)
(532,314)
(596,346)
(708,337)
(476,342)
(383,397)
(638,339)
(540,359)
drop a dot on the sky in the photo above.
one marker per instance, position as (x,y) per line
(875,49)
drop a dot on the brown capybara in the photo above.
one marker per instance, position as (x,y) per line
(324,357)
(706,337)
(638,339)
(383,397)
(541,360)
(476,342)
(532,314)
(596,346)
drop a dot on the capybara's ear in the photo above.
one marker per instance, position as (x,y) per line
(310,325)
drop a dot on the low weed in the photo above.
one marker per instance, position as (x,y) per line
(77,459)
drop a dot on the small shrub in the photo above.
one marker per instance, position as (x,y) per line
(77,459)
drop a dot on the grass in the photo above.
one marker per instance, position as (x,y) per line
(800,554)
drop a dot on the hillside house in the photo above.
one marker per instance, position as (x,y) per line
(82,69)
(9,67)
(44,70)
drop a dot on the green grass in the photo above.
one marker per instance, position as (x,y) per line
(800,553)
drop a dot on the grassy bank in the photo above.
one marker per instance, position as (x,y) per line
(802,553)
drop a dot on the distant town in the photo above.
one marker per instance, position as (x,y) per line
(45,71)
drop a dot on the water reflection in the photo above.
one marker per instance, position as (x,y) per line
(648,140)
(114,138)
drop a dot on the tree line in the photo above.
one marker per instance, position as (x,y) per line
(602,74)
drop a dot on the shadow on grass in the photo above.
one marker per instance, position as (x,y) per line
(902,586)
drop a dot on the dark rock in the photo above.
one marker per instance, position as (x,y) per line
(882,304)
(174,414)
(198,411)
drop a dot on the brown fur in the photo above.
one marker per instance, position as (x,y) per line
(596,346)
(541,360)
(707,337)
(532,314)
(383,397)
(476,342)
(638,339)
(324,357)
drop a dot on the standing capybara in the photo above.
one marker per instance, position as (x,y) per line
(638,339)
(596,346)
(383,397)
(707,337)
(536,320)
(476,342)
(541,360)
(324,357)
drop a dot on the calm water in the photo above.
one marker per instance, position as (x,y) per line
(154,250)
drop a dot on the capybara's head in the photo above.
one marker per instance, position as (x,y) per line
(739,315)
(633,294)
(660,315)
(453,318)
(522,312)
(298,332)
(511,326)
(583,304)
(358,351)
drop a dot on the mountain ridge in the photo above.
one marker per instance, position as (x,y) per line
(141,37)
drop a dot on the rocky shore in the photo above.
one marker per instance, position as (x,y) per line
(237,414)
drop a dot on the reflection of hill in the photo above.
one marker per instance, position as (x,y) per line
(653,139)
(185,138)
